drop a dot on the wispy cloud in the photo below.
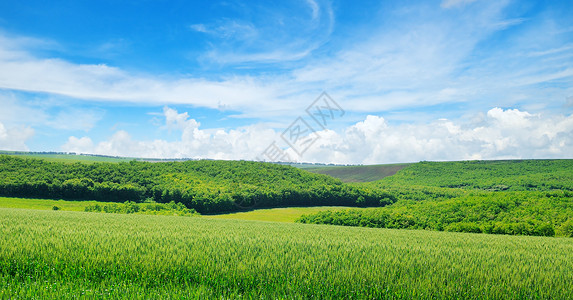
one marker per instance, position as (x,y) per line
(314,8)
(273,37)
(228,29)
(419,61)
(455,3)
(504,24)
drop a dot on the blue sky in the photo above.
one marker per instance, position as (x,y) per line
(416,80)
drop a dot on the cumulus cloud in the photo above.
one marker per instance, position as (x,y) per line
(242,143)
(500,134)
(497,134)
(79,145)
(14,138)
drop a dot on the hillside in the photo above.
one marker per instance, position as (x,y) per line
(358,173)
(525,197)
(512,175)
(206,186)
(67,157)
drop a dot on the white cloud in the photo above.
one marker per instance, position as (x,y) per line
(414,59)
(498,134)
(228,29)
(315,8)
(275,36)
(14,112)
(14,138)
(46,112)
(101,82)
(242,143)
(79,145)
(409,65)
(504,24)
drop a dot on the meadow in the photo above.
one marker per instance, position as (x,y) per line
(61,254)
(357,173)
(142,248)
(172,208)
(282,214)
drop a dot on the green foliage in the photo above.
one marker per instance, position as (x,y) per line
(510,175)
(533,197)
(71,255)
(206,186)
(148,208)
(55,208)
(566,229)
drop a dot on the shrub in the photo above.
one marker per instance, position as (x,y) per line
(566,229)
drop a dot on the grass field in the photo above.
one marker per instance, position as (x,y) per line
(46,204)
(359,173)
(287,214)
(64,255)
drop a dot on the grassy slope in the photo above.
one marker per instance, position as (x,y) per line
(55,254)
(358,173)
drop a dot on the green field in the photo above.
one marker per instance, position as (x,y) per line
(69,253)
(47,204)
(64,255)
(286,214)
(358,173)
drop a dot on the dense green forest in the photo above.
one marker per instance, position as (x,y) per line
(528,197)
(206,186)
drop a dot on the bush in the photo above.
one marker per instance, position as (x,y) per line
(566,229)
(149,208)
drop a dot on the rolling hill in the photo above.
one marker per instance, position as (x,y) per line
(206,186)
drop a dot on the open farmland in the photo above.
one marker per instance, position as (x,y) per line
(58,254)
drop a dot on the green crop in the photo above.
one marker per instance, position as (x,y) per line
(65,255)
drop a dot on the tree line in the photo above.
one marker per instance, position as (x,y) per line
(207,186)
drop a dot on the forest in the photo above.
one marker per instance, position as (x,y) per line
(522,197)
(205,185)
